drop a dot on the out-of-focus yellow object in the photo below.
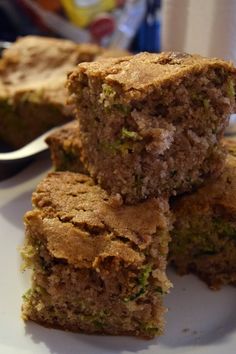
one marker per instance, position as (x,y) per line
(82,12)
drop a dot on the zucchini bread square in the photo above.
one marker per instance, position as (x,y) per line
(33,73)
(204,231)
(150,124)
(98,266)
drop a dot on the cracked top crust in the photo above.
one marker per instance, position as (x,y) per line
(147,71)
(76,218)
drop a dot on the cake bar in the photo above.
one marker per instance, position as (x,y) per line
(98,266)
(150,124)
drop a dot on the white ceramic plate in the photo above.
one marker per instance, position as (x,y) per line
(199,321)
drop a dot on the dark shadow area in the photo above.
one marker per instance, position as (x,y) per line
(11,168)
(59,342)
(30,170)
(4,147)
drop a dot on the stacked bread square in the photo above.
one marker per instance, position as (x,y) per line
(149,128)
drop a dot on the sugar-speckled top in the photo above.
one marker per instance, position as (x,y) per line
(80,224)
(147,71)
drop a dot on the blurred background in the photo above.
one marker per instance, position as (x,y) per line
(204,27)
(133,24)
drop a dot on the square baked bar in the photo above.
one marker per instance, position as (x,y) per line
(32,85)
(204,232)
(150,124)
(98,266)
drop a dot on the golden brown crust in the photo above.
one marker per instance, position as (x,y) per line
(65,200)
(144,72)
(77,247)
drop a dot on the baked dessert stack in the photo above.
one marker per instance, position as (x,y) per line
(150,127)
